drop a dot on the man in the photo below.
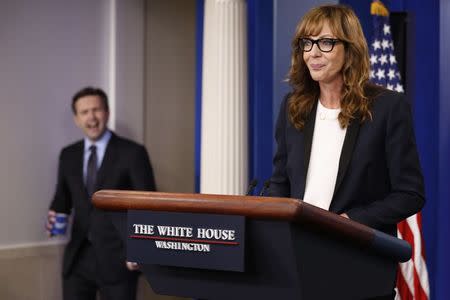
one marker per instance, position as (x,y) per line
(94,259)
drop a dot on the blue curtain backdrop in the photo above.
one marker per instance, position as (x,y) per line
(443,205)
(199,10)
(260,66)
(430,94)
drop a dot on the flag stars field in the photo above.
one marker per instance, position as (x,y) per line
(392,59)
(391,74)
(383,64)
(376,45)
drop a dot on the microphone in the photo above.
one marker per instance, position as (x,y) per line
(265,187)
(251,187)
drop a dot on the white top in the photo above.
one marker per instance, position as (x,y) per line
(326,149)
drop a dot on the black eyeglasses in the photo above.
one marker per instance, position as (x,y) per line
(324,44)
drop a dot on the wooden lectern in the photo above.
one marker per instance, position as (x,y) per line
(293,250)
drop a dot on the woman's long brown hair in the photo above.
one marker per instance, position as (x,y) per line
(346,27)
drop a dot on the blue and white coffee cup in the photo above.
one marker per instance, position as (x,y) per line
(60,225)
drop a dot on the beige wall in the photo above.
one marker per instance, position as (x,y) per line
(170,92)
(51,48)
(129,69)
(31,272)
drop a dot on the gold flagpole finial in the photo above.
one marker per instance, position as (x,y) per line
(377,8)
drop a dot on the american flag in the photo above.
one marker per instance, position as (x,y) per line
(384,69)
(412,276)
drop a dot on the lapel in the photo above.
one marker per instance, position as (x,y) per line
(77,164)
(347,150)
(107,162)
(308,132)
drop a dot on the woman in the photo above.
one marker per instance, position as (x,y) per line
(344,145)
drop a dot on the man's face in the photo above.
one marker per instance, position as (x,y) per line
(91,116)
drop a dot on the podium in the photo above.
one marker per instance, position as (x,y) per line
(291,250)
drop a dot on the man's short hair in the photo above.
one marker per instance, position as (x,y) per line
(90,91)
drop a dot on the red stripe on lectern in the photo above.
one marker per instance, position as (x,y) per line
(182,240)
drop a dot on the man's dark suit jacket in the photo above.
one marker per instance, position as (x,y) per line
(125,166)
(379,180)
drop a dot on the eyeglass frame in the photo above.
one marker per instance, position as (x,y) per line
(332,40)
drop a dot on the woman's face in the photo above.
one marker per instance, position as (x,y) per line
(325,67)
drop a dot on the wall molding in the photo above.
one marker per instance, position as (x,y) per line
(32,249)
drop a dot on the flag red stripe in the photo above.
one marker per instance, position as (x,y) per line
(402,287)
(408,234)
(419,293)
(419,222)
